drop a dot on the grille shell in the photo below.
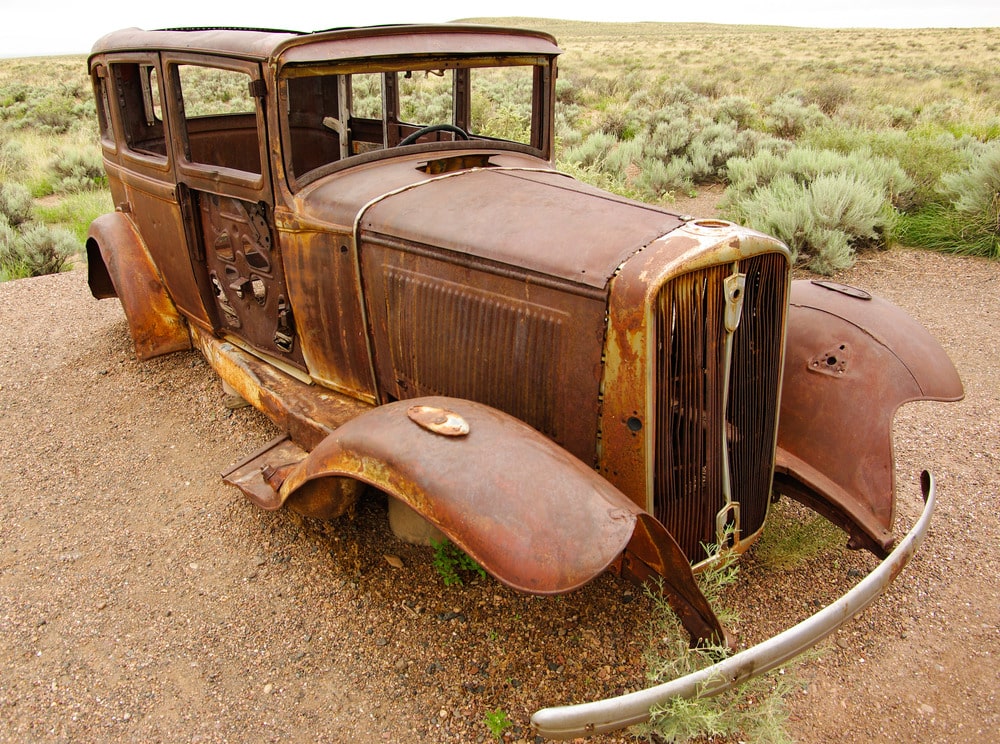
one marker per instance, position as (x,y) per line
(690,396)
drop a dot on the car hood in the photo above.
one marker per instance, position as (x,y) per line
(513,212)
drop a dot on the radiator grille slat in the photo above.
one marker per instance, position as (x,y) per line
(690,364)
(440,325)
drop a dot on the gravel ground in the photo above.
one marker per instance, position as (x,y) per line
(143,600)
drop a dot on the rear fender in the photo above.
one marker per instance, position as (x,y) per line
(851,360)
(119,266)
(531,514)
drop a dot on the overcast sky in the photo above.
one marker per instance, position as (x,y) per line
(42,27)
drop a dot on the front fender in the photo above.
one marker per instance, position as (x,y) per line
(531,514)
(119,265)
(851,360)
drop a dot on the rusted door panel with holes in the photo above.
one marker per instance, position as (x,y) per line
(852,359)
(245,269)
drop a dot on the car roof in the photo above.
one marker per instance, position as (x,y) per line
(285,47)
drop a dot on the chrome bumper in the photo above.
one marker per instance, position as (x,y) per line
(585,719)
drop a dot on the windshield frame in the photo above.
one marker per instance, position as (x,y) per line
(340,123)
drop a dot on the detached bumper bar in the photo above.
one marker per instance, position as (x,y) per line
(585,719)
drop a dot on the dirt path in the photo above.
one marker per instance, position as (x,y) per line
(143,600)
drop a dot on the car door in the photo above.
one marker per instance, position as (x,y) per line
(142,175)
(223,175)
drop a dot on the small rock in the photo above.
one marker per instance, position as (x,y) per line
(101,605)
(926,709)
(268,688)
(393,560)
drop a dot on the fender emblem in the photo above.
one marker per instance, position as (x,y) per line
(439,420)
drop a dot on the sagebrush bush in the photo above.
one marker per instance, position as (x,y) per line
(77,169)
(788,116)
(15,203)
(13,159)
(737,109)
(968,221)
(669,138)
(924,152)
(823,204)
(829,95)
(36,250)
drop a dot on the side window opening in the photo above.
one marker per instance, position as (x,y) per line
(219,117)
(365,112)
(100,81)
(139,100)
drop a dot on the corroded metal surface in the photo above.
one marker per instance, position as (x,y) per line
(562,230)
(851,361)
(307,412)
(531,514)
(156,326)
(536,518)
(644,400)
(467,329)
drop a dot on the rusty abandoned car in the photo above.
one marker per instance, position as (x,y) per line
(373,248)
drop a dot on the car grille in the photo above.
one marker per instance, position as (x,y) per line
(689,399)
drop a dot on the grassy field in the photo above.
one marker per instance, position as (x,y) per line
(834,140)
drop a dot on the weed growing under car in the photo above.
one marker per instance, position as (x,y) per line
(451,563)
(755,709)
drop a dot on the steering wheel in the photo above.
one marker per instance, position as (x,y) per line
(414,136)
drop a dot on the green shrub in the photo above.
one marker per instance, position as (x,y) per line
(924,152)
(78,169)
(15,203)
(36,251)
(451,562)
(592,151)
(666,139)
(788,116)
(823,204)
(76,211)
(969,220)
(8,237)
(829,95)
(737,109)
(13,159)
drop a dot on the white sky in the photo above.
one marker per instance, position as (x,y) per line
(43,27)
